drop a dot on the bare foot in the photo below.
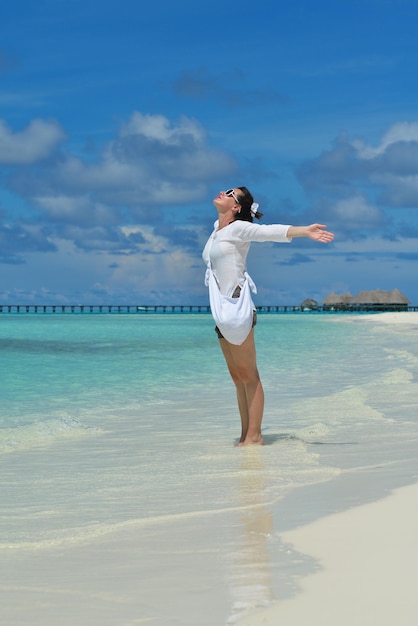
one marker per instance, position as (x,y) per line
(249,441)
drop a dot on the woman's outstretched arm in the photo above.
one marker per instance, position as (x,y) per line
(316,232)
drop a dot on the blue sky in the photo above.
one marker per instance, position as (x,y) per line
(120,121)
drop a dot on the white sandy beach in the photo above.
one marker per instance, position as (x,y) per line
(367,559)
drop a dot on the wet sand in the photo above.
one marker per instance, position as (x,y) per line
(367,563)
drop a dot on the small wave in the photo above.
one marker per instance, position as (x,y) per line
(94,532)
(43,433)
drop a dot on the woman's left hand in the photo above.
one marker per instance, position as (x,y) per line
(317,232)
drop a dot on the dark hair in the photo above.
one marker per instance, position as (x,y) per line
(245,200)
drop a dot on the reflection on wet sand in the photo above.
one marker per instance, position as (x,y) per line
(249,565)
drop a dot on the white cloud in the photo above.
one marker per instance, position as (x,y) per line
(158,127)
(154,242)
(400,132)
(80,209)
(150,274)
(149,162)
(401,191)
(34,143)
(357,213)
(392,166)
(76,175)
(355,176)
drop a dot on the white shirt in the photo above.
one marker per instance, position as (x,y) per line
(227,249)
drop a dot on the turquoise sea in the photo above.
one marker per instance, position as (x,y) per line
(123,426)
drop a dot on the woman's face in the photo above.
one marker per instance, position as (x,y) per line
(227,199)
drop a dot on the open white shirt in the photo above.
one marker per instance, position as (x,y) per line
(227,249)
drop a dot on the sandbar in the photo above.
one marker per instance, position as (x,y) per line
(400,317)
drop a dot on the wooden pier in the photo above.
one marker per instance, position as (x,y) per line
(102,308)
(186,308)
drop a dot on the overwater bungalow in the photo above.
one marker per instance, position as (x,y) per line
(377,300)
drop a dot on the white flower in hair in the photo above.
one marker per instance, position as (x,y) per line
(253,208)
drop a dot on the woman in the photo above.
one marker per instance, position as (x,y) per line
(225,254)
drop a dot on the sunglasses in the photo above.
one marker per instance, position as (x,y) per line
(231,194)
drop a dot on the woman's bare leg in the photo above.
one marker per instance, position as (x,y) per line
(243,409)
(242,366)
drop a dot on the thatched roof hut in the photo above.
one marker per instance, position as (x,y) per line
(335,298)
(309,304)
(377,299)
(380,297)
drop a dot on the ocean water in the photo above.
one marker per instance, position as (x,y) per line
(116,426)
